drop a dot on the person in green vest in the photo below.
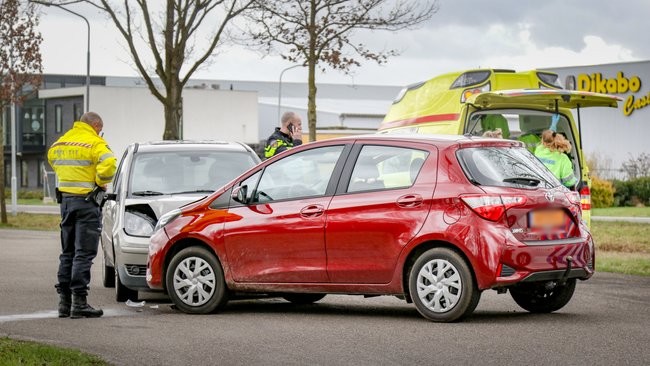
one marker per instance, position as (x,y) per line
(552,153)
(491,122)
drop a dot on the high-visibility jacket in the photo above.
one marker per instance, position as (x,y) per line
(279,142)
(531,141)
(558,163)
(81,159)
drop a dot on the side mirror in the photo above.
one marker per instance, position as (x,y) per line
(239,194)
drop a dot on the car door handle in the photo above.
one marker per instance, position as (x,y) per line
(312,211)
(409,200)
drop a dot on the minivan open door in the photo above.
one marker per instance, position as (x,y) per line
(551,98)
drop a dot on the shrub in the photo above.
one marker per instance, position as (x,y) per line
(26,194)
(30,194)
(602,193)
(632,192)
(622,193)
(640,191)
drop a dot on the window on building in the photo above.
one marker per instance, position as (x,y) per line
(77,109)
(40,171)
(24,174)
(58,118)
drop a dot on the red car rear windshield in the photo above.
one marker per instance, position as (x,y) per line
(505,167)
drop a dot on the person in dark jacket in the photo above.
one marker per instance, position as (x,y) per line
(84,165)
(288,135)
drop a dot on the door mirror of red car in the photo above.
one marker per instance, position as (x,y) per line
(239,194)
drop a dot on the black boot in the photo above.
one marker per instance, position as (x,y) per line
(81,309)
(65,302)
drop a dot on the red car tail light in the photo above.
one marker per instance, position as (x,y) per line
(492,207)
(585,197)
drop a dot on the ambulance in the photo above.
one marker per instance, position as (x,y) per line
(520,104)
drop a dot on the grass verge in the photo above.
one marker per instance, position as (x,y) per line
(622,211)
(13,352)
(622,247)
(625,237)
(626,263)
(26,221)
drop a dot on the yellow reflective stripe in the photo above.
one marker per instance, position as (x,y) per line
(105,156)
(62,162)
(77,184)
(271,149)
(72,143)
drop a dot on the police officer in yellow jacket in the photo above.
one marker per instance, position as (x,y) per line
(288,135)
(82,161)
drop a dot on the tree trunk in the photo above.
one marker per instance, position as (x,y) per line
(173,114)
(312,60)
(311,101)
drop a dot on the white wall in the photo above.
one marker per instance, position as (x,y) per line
(134,115)
(220,115)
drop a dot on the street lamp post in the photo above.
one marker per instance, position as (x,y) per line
(280,89)
(87,96)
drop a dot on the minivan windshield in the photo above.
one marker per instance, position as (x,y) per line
(517,124)
(176,172)
(505,167)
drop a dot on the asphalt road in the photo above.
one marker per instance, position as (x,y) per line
(606,323)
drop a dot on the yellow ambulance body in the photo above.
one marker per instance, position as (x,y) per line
(520,104)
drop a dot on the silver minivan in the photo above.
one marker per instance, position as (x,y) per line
(152,179)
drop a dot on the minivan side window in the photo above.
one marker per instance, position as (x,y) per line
(386,167)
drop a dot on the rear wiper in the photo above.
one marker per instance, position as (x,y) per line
(147,193)
(532,182)
(196,191)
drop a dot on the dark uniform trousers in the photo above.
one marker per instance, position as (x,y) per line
(80,229)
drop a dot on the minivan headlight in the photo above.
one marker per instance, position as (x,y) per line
(167,218)
(137,224)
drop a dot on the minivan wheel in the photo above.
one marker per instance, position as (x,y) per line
(123,293)
(544,297)
(303,299)
(195,281)
(108,276)
(442,286)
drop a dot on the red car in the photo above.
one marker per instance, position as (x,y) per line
(434,220)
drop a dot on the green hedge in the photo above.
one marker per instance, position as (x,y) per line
(632,192)
(25,194)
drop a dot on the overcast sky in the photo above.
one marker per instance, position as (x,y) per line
(463,34)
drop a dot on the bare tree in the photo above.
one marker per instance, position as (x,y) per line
(169,38)
(637,166)
(318,33)
(20,66)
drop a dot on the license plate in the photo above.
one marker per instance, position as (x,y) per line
(546,218)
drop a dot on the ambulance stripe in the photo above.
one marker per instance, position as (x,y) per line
(423,119)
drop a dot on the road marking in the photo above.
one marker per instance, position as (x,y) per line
(55,314)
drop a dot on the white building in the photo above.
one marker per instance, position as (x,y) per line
(614,136)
